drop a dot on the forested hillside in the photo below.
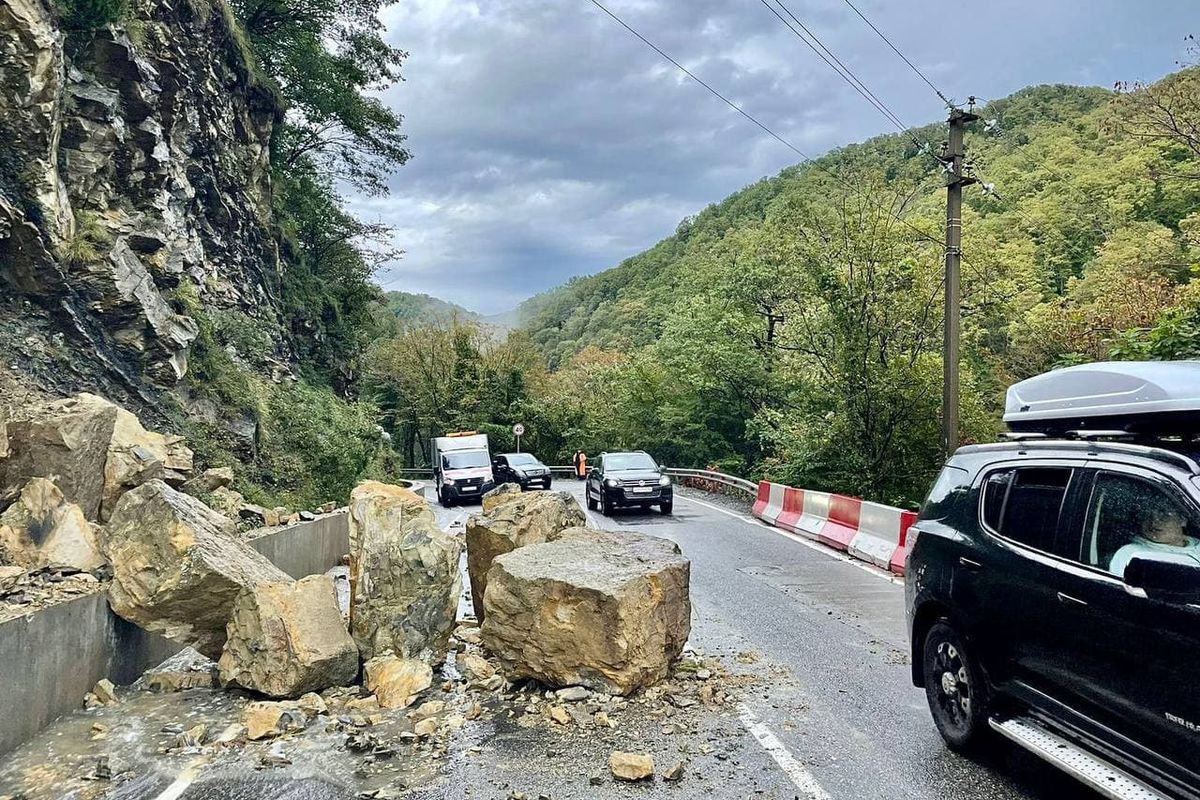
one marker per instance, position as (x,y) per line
(794,329)
(421,309)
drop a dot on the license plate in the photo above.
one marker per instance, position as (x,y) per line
(469,489)
(644,490)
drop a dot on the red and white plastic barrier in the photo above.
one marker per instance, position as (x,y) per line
(870,532)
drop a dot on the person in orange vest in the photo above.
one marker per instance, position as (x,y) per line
(580,464)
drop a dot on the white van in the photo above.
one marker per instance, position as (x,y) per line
(462,467)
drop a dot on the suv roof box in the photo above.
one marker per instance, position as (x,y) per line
(1140,397)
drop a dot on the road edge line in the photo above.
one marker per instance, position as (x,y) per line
(799,775)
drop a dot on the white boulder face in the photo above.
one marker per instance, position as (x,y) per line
(607,610)
(404,576)
(286,639)
(513,519)
(42,529)
(178,567)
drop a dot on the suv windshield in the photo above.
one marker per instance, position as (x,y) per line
(465,459)
(623,461)
(522,460)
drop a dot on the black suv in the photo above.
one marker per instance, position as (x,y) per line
(521,468)
(628,479)
(1053,596)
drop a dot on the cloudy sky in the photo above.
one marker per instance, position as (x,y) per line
(548,142)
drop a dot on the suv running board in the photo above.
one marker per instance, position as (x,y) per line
(1081,764)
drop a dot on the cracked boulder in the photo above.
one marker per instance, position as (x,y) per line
(177,566)
(606,610)
(286,639)
(511,520)
(43,529)
(404,576)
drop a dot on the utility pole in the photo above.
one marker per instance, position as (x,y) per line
(956,180)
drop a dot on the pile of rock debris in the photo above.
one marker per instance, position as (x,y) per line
(573,621)
(66,468)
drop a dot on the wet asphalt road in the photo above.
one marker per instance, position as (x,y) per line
(851,718)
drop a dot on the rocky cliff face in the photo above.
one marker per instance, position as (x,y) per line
(134,191)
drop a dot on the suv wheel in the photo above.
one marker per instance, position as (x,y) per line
(955,688)
(605,504)
(591,503)
(665,508)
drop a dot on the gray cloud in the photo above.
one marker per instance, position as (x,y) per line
(549,142)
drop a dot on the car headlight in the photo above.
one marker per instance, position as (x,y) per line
(664,481)
(448,481)
(612,483)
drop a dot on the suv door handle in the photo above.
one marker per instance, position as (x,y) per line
(1066,599)
(970,564)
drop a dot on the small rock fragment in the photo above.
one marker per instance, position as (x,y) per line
(674,773)
(573,694)
(397,681)
(105,692)
(631,766)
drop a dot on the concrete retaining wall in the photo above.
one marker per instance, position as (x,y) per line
(307,547)
(50,658)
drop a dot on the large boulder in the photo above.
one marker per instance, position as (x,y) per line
(609,611)
(404,576)
(285,639)
(93,449)
(511,520)
(136,455)
(41,529)
(177,566)
(66,440)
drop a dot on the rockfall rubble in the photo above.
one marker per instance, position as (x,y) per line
(286,639)
(404,574)
(513,519)
(609,611)
(177,568)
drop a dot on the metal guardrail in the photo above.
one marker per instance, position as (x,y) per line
(696,478)
(702,476)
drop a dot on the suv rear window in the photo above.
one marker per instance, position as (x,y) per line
(1023,504)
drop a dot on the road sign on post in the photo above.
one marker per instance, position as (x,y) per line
(519,431)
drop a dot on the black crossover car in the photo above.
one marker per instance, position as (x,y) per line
(628,479)
(521,468)
(1053,597)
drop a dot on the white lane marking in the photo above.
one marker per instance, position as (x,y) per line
(801,777)
(181,782)
(870,569)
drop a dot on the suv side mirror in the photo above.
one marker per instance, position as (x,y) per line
(1164,579)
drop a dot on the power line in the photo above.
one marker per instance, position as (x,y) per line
(700,81)
(836,64)
(807,159)
(903,57)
